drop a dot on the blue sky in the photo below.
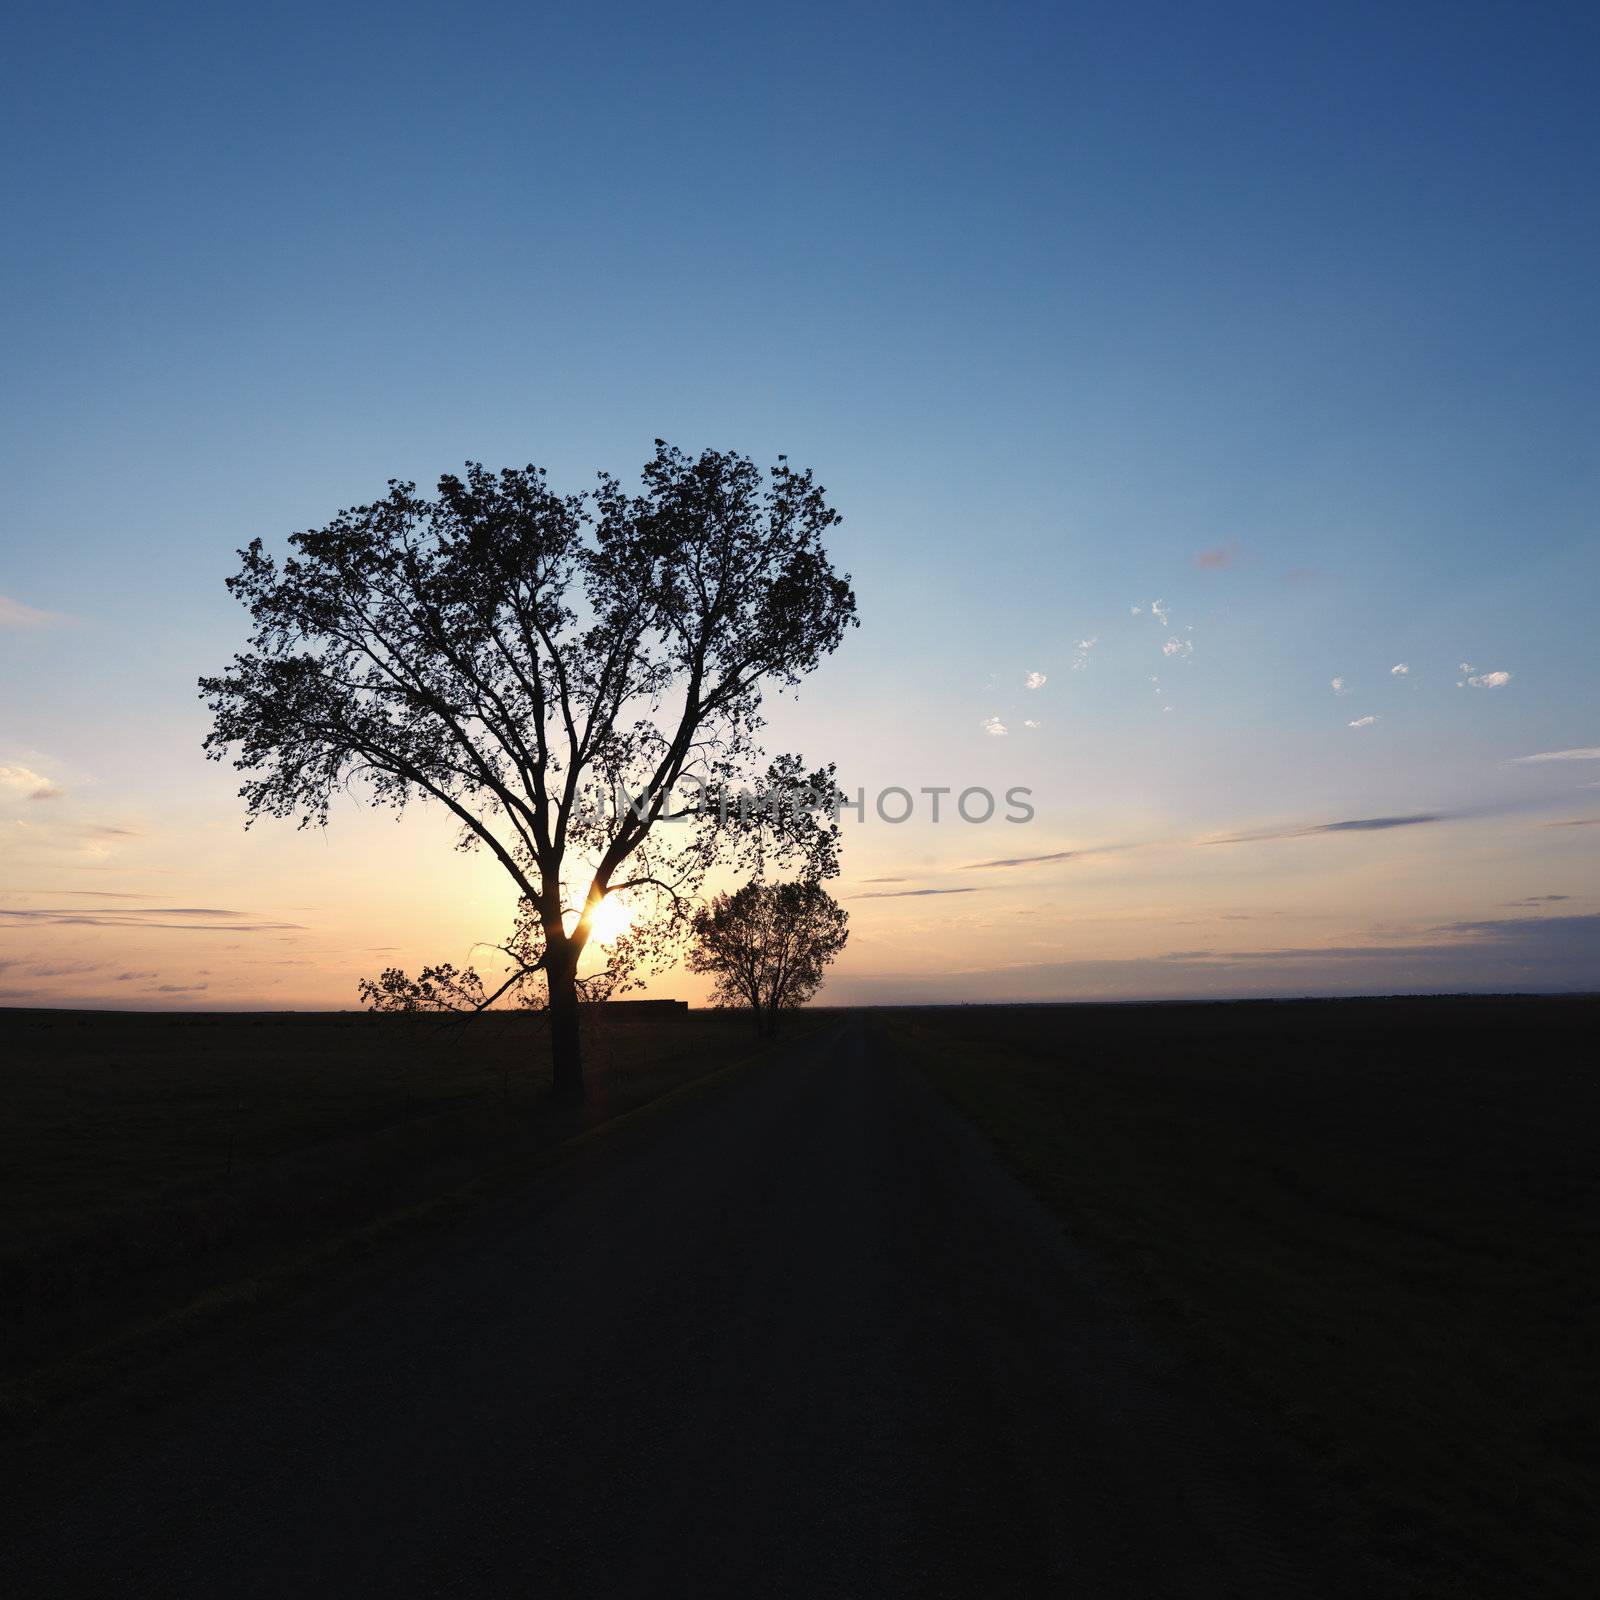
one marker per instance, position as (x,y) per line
(1056,300)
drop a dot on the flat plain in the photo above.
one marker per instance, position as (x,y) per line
(148,1159)
(1374,1220)
(1369,1226)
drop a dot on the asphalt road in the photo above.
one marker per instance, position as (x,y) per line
(800,1335)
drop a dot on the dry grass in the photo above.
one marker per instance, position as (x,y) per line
(1375,1219)
(147,1159)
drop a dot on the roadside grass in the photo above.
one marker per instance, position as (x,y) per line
(153,1163)
(1375,1220)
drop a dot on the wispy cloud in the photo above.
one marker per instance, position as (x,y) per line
(1400,670)
(1051,858)
(1219,556)
(1158,610)
(13,614)
(994,727)
(48,969)
(1414,819)
(1490,680)
(1080,652)
(84,894)
(1592,753)
(1377,824)
(1035,680)
(1539,900)
(1032,722)
(190,919)
(911,894)
(1178,647)
(1023,861)
(1363,722)
(1338,687)
(1348,825)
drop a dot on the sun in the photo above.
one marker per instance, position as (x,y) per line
(610,919)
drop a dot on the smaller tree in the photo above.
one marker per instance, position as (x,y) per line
(767,945)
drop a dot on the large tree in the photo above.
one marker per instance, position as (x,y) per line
(523,658)
(767,945)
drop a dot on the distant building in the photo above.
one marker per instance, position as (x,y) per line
(647,1007)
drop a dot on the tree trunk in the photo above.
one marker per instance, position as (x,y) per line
(566,1046)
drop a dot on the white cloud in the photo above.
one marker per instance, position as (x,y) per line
(994,727)
(1034,680)
(1080,652)
(1338,686)
(1030,723)
(1135,611)
(1556,755)
(1466,666)
(1491,680)
(1178,647)
(1158,610)
(1363,722)
(21,783)
(1399,670)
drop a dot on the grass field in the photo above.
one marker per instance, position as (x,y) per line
(147,1159)
(1375,1220)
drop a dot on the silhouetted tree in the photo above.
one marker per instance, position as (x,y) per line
(767,945)
(519,657)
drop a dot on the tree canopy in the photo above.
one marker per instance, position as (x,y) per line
(768,945)
(521,658)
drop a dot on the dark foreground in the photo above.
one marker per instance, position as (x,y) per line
(1377,1222)
(801,1335)
(151,1162)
